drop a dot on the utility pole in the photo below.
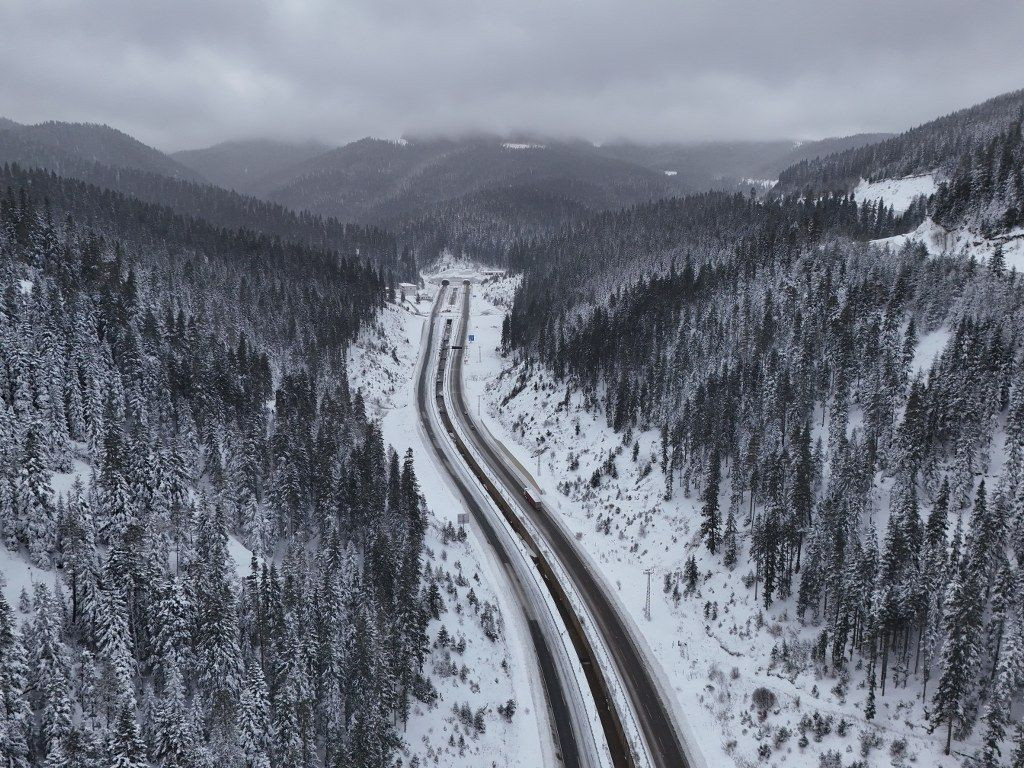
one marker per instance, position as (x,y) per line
(647,605)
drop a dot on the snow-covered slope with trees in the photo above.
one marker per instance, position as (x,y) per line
(478,661)
(752,681)
(900,194)
(155,432)
(874,510)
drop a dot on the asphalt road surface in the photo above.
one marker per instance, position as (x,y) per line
(568,748)
(652,712)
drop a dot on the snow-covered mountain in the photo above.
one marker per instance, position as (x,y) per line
(936,146)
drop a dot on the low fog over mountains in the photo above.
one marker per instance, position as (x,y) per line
(378,181)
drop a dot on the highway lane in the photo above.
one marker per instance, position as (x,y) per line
(619,747)
(652,713)
(566,738)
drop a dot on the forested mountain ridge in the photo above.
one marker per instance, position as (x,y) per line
(939,145)
(384,181)
(486,223)
(366,180)
(184,390)
(474,194)
(770,344)
(69,148)
(226,209)
(245,165)
(336,292)
(584,265)
(479,195)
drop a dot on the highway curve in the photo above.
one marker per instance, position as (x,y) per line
(652,712)
(566,737)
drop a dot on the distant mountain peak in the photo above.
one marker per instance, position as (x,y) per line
(71,148)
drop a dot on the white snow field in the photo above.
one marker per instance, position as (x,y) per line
(486,673)
(712,649)
(963,241)
(936,239)
(898,193)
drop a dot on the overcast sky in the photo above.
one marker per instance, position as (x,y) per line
(186,73)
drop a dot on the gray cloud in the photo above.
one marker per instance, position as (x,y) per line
(192,72)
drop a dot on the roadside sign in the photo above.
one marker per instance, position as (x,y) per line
(472,337)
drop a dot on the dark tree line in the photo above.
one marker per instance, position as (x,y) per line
(591,262)
(147,181)
(199,375)
(773,353)
(485,224)
(937,145)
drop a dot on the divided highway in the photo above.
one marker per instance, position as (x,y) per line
(652,714)
(570,736)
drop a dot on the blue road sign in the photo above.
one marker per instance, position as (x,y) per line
(472,337)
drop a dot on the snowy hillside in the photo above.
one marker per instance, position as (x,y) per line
(747,685)
(898,193)
(963,242)
(484,664)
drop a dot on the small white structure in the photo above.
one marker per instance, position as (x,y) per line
(408,291)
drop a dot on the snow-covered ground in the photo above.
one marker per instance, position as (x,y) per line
(929,347)
(712,649)
(18,575)
(485,673)
(898,193)
(964,241)
(929,234)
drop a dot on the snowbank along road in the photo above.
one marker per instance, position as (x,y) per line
(661,739)
(568,734)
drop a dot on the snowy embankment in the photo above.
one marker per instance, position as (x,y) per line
(715,648)
(454,268)
(936,239)
(897,193)
(472,669)
(963,241)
